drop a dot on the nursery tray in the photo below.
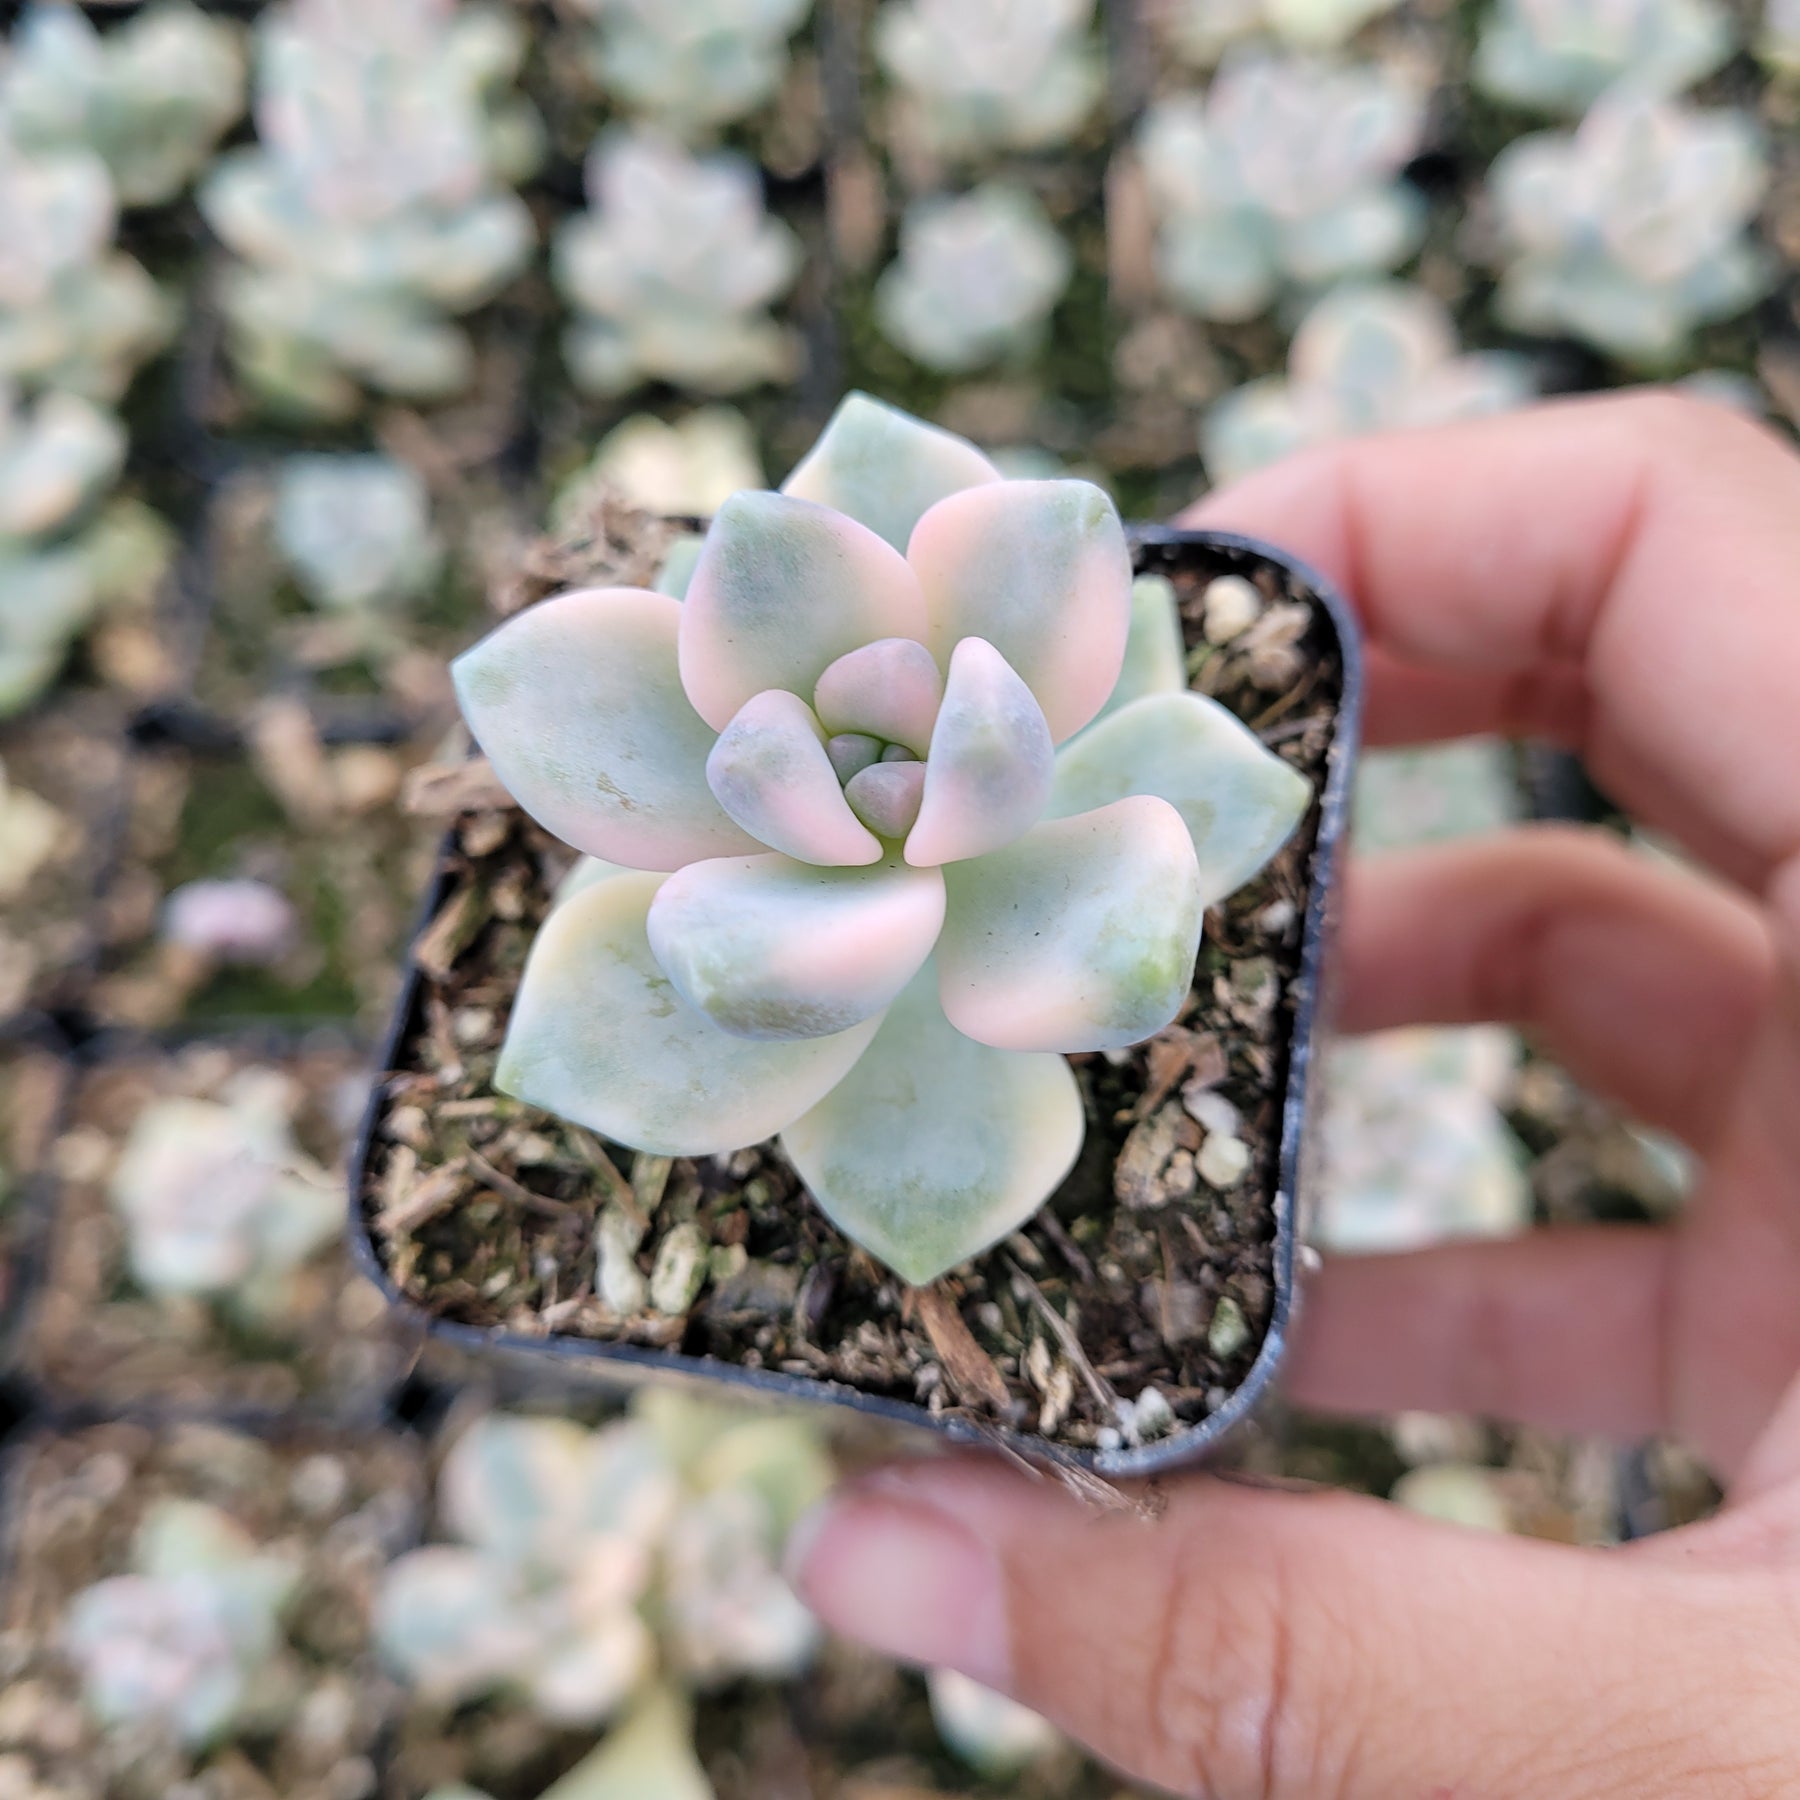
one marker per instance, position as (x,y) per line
(988,1354)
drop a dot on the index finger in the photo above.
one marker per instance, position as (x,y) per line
(1637,557)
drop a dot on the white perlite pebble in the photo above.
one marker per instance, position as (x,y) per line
(1232,606)
(1223,1161)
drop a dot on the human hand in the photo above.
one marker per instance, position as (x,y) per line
(1621,575)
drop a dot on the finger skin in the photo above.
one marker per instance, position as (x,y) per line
(1236,1644)
(1647,983)
(1565,1330)
(1649,541)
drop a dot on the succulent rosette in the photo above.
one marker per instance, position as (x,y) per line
(886,837)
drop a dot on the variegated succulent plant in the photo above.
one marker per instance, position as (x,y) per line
(1779,41)
(995,1736)
(588,1563)
(1560,56)
(1631,232)
(356,530)
(673,271)
(374,211)
(75,314)
(976,280)
(1414,1147)
(1369,357)
(694,67)
(683,470)
(181,1643)
(991,75)
(216,1197)
(151,98)
(1282,176)
(58,458)
(856,893)
(1201,31)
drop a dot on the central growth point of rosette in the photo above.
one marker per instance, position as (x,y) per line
(904,802)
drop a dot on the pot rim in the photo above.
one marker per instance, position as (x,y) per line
(596,1358)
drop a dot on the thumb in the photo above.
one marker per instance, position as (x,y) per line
(1245,1644)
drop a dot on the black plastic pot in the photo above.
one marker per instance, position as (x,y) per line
(567,1363)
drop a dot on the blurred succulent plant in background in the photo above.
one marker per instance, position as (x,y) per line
(1414,1145)
(1201,31)
(151,98)
(995,1736)
(687,469)
(673,270)
(590,1562)
(976,281)
(860,899)
(218,1200)
(30,830)
(693,67)
(58,458)
(75,313)
(374,210)
(1632,231)
(356,530)
(1779,41)
(990,75)
(190,1641)
(1367,357)
(1560,56)
(231,921)
(1434,792)
(1281,176)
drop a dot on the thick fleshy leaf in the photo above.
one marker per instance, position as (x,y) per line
(649,1755)
(1081,936)
(580,709)
(851,752)
(1155,655)
(771,772)
(589,872)
(784,588)
(1239,801)
(891,690)
(987,779)
(885,468)
(600,1036)
(771,948)
(935,1146)
(1040,570)
(887,797)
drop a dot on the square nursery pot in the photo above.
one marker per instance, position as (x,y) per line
(1128,1327)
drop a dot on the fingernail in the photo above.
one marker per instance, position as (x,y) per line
(906,1581)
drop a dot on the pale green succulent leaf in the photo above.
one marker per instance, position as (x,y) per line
(1080,936)
(770,948)
(933,1146)
(650,1752)
(1239,801)
(679,564)
(600,1036)
(579,706)
(782,590)
(772,773)
(1038,569)
(589,872)
(1155,655)
(988,776)
(886,469)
